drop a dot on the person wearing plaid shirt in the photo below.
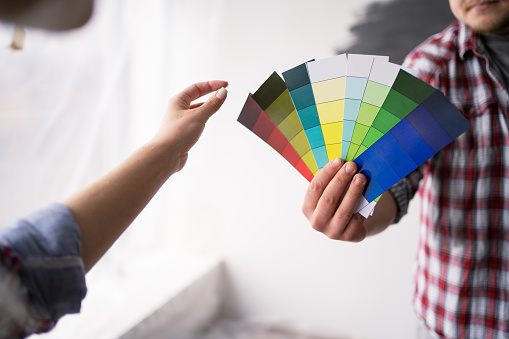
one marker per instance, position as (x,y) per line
(462,269)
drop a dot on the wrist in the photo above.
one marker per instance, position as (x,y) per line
(164,157)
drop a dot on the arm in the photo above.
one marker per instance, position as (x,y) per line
(323,209)
(104,209)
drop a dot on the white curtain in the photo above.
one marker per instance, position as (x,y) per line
(74,104)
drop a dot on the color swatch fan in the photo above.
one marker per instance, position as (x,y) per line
(360,108)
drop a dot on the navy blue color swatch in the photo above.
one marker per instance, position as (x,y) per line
(428,128)
(446,114)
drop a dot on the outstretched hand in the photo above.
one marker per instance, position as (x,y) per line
(183,121)
(105,208)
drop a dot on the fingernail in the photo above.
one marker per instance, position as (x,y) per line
(349,169)
(221,94)
(336,162)
(359,181)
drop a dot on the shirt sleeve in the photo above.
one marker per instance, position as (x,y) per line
(404,190)
(41,261)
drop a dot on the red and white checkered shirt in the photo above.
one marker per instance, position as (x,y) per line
(462,273)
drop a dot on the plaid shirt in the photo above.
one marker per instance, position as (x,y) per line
(462,273)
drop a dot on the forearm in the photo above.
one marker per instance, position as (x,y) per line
(104,209)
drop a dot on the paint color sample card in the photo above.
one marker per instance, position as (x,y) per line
(358,70)
(427,129)
(298,83)
(274,98)
(328,81)
(380,80)
(405,94)
(257,121)
(361,108)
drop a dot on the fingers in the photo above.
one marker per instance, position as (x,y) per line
(346,224)
(197,90)
(213,104)
(318,185)
(355,231)
(351,198)
(331,200)
(329,208)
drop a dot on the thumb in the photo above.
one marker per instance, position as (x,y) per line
(213,104)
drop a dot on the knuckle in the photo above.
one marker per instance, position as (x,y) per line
(317,224)
(307,211)
(317,228)
(356,232)
(304,209)
(344,215)
(198,88)
(341,180)
(316,186)
(350,237)
(215,103)
(333,235)
(329,199)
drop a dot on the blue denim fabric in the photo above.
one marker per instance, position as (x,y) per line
(48,243)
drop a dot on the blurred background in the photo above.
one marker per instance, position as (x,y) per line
(223,250)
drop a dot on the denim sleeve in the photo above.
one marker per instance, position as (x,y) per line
(48,245)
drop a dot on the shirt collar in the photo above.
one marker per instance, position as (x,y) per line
(467,40)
